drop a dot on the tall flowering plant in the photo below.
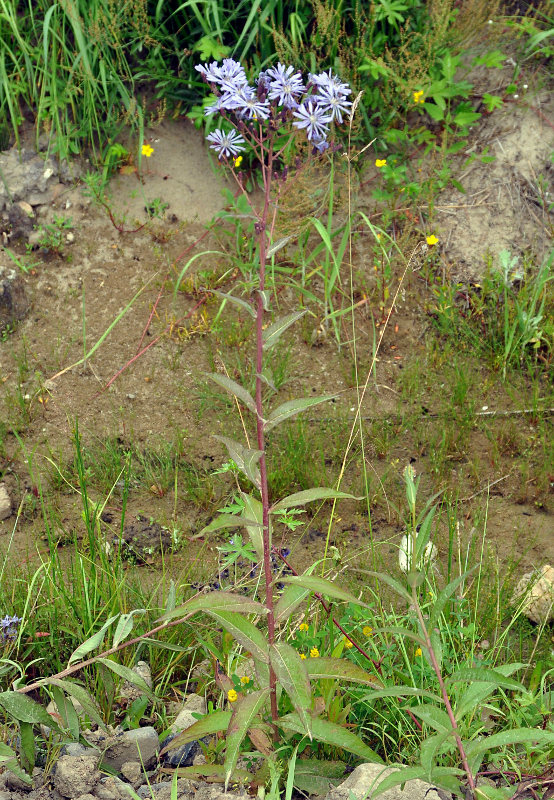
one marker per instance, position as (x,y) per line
(262,117)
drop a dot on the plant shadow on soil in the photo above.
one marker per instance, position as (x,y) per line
(428,403)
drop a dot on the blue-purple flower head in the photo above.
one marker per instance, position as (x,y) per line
(8,627)
(285,85)
(226,143)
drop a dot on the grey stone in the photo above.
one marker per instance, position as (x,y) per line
(368,776)
(5,502)
(21,218)
(116,787)
(129,691)
(535,591)
(74,749)
(5,795)
(14,303)
(15,783)
(26,176)
(132,771)
(103,793)
(142,744)
(76,775)
(87,796)
(194,703)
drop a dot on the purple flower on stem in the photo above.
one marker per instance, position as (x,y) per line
(8,627)
(247,104)
(320,144)
(313,118)
(211,73)
(284,85)
(327,79)
(226,144)
(333,101)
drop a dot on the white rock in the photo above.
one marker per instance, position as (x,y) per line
(535,591)
(76,775)
(194,703)
(5,502)
(367,777)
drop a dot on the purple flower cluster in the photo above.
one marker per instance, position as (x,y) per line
(278,90)
(8,627)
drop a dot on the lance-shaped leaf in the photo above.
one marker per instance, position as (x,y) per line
(82,696)
(289,601)
(125,626)
(392,582)
(308,496)
(217,601)
(243,716)
(234,388)
(274,248)
(224,521)
(444,595)
(401,691)
(244,632)
(129,675)
(333,734)
(237,301)
(91,644)
(253,510)
(261,741)
(27,747)
(245,458)
(316,776)
(67,712)
(265,297)
(214,771)
(292,407)
(321,586)
(293,677)
(474,674)
(505,738)
(273,332)
(340,669)
(434,717)
(23,709)
(216,722)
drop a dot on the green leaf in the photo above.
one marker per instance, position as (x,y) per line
(91,644)
(245,458)
(216,722)
(128,675)
(308,496)
(234,388)
(396,778)
(292,674)
(125,626)
(67,712)
(429,748)
(244,632)
(474,674)
(224,521)
(217,601)
(321,586)
(212,771)
(465,117)
(392,582)
(401,691)
(505,738)
(333,734)
(23,709)
(340,669)
(27,748)
(82,696)
(436,113)
(292,407)
(397,630)
(289,601)
(244,713)
(434,717)
(444,596)
(273,332)
(253,510)
(238,301)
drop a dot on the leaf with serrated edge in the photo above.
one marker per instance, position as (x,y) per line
(91,644)
(321,586)
(339,669)
(273,333)
(234,388)
(308,496)
(253,509)
(244,632)
(217,722)
(244,713)
(237,301)
(292,674)
(333,734)
(292,407)
(224,601)
(128,675)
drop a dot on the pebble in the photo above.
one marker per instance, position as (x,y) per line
(5,502)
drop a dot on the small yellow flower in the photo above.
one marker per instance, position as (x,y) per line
(419,652)
(314,652)
(232,695)
(367,631)
(418,97)
(302,656)
(432,240)
(347,643)
(245,679)
(147,150)
(237,161)
(303,627)
(380,162)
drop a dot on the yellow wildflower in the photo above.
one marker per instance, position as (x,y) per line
(418,97)
(432,240)
(380,162)
(347,643)
(303,627)
(367,631)
(314,652)
(302,656)
(232,695)
(237,161)
(419,652)
(147,150)
(245,679)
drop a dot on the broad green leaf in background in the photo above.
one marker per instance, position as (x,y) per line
(91,644)
(224,521)
(505,738)
(292,407)
(273,333)
(244,713)
(67,712)
(82,696)
(484,675)
(434,717)
(253,510)
(222,601)
(401,691)
(309,496)
(289,601)
(27,747)
(321,586)
(23,709)
(217,722)
(333,734)
(234,388)
(292,675)
(340,669)
(244,632)
(125,626)
(128,675)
